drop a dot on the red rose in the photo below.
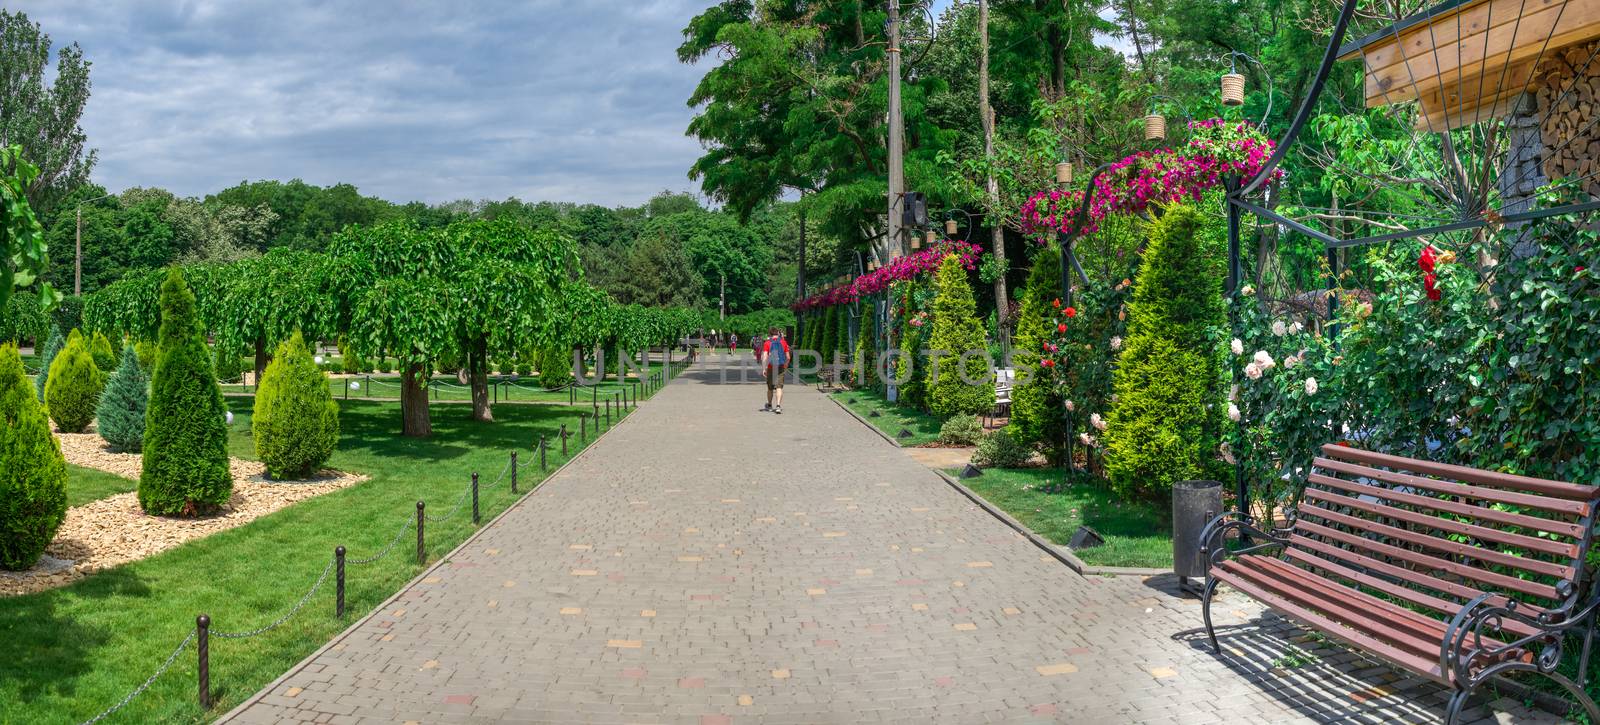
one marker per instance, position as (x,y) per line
(1049,363)
(1578,269)
(1061,327)
(1057,303)
(1072,312)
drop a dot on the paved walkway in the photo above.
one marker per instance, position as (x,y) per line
(709,563)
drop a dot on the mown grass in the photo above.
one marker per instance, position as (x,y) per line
(1137,533)
(525,389)
(891,418)
(88,484)
(75,651)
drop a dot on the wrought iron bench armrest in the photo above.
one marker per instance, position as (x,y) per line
(1477,634)
(1213,549)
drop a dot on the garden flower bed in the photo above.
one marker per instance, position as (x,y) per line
(114,530)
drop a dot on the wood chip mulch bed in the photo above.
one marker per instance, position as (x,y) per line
(113,531)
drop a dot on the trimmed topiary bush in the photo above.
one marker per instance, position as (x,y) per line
(1037,407)
(120,416)
(105,357)
(961,430)
(147,350)
(1002,450)
(33,475)
(1168,382)
(185,437)
(52,348)
(959,382)
(350,360)
(296,422)
(828,336)
(73,387)
(555,367)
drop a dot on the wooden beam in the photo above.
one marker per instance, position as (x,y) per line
(1472,100)
(1552,27)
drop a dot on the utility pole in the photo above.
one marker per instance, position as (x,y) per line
(998,240)
(897,179)
(800,278)
(722,299)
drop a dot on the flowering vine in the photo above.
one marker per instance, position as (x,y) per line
(1216,149)
(899,270)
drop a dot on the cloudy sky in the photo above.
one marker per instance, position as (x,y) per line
(568,100)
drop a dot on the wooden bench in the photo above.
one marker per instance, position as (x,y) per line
(1452,573)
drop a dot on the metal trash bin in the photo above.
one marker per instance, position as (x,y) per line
(1194,504)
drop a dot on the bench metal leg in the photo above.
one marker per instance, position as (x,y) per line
(1452,711)
(1205,611)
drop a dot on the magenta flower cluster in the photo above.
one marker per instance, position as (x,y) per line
(1216,149)
(904,268)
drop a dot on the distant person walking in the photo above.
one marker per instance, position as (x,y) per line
(733,343)
(774,356)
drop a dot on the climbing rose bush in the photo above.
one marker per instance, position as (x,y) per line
(903,269)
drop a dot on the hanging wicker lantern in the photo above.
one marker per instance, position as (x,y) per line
(1064,173)
(950,228)
(1232,89)
(931,238)
(916,242)
(1155,127)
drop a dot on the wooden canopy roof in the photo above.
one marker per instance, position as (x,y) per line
(1467,60)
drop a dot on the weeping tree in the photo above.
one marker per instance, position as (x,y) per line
(262,301)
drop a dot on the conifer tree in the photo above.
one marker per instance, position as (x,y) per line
(185,438)
(120,416)
(33,475)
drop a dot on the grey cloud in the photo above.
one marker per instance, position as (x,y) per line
(569,101)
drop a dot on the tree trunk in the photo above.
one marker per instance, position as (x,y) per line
(997,243)
(414,421)
(478,362)
(262,358)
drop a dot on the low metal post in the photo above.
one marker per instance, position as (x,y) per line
(583,427)
(422,557)
(347,389)
(572,394)
(474,497)
(542,465)
(513,471)
(608,412)
(563,440)
(338,582)
(202,625)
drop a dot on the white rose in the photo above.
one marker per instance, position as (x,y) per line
(1227,454)
(1279,329)
(1252,372)
(1264,361)
(1233,412)
(1071,406)
(1096,421)
(1233,392)
(1116,343)
(1311,386)
(1238,346)
(1084,439)
(1247,290)
(1290,362)
(1296,327)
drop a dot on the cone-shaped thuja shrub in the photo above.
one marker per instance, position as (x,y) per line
(1164,426)
(296,422)
(1037,407)
(105,358)
(33,475)
(555,367)
(74,385)
(959,383)
(120,416)
(185,436)
(52,348)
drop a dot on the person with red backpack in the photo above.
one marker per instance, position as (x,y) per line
(774,356)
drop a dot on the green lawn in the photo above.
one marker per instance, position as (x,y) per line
(1137,533)
(445,389)
(74,651)
(891,418)
(88,484)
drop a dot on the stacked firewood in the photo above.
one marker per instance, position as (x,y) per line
(1568,96)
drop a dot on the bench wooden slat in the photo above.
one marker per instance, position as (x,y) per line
(1492,479)
(1553,526)
(1526,500)
(1329,551)
(1434,563)
(1348,606)
(1437,543)
(1310,618)
(1446,607)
